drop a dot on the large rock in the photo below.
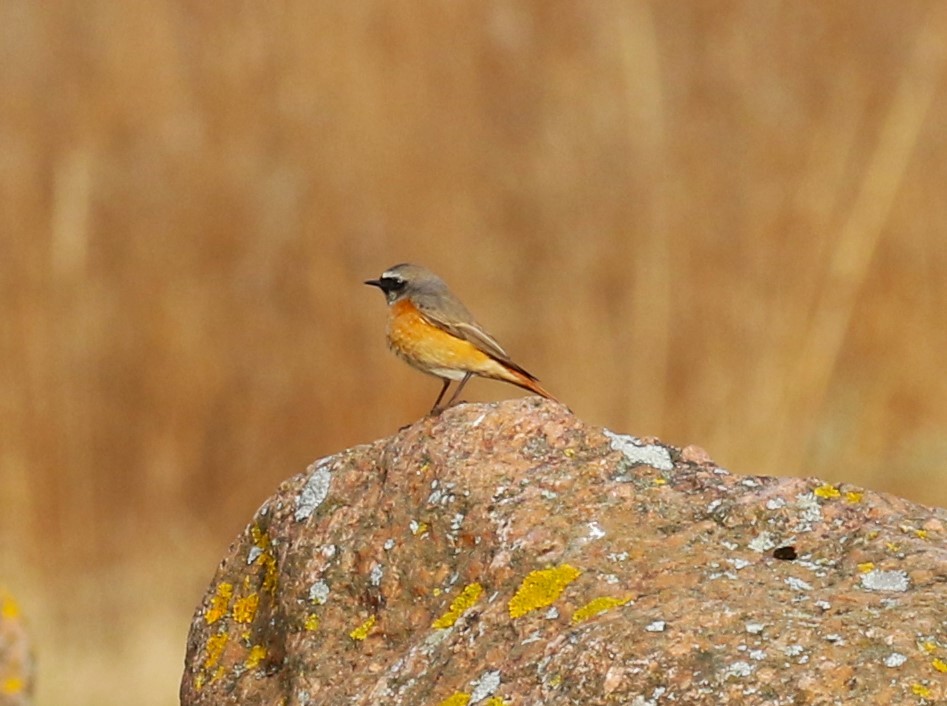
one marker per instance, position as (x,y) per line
(511,554)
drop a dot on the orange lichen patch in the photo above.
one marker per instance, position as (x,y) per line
(467,598)
(922,691)
(866,567)
(219,603)
(257,655)
(827,491)
(597,606)
(11,686)
(361,632)
(244,609)
(854,496)
(458,698)
(215,648)
(312,622)
(939,665)
(541,588)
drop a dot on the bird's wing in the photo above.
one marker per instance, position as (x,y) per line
(448,313)
(452,316)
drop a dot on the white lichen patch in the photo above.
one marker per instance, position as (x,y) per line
(485,686)
(376,574)
(740,669)
(389,544)
(456,521)
(754,628)
(254,554)
(775,503)
(762,542)
(637,453)
(315,490)
(595,530)
(738,563)
(878,580)
(895,659)
(617,556)
(656,626)
(793,650)
(319,592)
(810,511)
(798,584)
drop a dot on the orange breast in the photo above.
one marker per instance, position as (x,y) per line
(433,350)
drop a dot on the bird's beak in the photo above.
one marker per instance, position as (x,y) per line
(374,283)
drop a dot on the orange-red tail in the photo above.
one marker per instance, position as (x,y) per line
(523,379)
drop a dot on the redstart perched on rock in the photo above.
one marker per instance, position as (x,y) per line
(431,330)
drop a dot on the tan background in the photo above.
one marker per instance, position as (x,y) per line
(723,223)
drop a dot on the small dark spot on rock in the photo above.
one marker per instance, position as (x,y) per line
(787,553)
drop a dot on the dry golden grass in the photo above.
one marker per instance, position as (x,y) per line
(722,223)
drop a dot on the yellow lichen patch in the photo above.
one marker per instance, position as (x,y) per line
(271,576)
(219,603)
(854,496)
(215,648)
(893,547)
(872,535)
(361,632)
(921,690)
(9,608)
(866,567)
(458,698)
(244,609)
(920,533)
(569,453)
(419,528)
(217,675)
(496,701)
(929,647)
(11,686)
(257,655)
(466,598)
(939,665)
(260,538)
(541,588)
(199,680)
(659,481)
(827,491)
(556,681)
(597,606)
(312,622)
(437,591)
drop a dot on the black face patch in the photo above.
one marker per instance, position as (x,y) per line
(388,285)
(391,284)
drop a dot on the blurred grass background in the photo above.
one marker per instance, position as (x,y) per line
(721,223)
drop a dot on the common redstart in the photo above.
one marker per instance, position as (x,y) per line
(430,329)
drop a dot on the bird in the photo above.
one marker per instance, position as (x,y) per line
(431,330)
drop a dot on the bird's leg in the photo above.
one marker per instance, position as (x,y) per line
(460,387)
(435,409)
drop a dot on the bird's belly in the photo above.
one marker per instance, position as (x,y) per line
(431,349)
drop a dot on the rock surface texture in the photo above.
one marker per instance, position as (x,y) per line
(16,658)
(511,554)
